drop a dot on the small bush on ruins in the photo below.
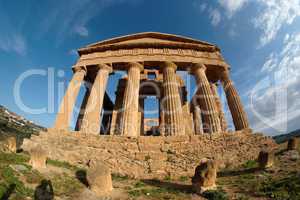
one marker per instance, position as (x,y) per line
(215,195)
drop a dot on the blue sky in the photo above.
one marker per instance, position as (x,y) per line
(260,39)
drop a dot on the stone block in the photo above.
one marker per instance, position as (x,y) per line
(265,159)
(38,157)
(205,176)
(292,144)
(11,144)
(99,179)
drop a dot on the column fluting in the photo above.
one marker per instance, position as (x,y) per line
(238,113)
(197,120)
(63,118)
(172,106)
(91,119)
(205,98)
(129,120)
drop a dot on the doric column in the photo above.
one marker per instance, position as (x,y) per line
(205,98)
(82,109)
(239,116)
(172,101)
(214,88)
(91,119)
(129,120)
(64,115)
(197,120)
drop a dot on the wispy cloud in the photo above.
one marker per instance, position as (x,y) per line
(215,17)
(13,43)
(232,6)
(276,97)
(275,14)
(71,17)
(11,37)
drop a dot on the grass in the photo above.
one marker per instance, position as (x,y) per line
(215,195)
(22,183)
(250,164)
(118,177)
(13,158)
(184,178)
(65,184)
(62,164)
(10,178)
(285,188)
(156,193)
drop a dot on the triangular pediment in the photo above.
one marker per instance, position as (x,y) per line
(151,38)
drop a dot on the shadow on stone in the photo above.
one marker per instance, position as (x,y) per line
(169,186)
(9,192)
(81,176)
(44,191)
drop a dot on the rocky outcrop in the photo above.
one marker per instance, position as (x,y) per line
(152,157)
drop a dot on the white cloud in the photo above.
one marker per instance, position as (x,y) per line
(276,98)
(215,17)
(13,43)
(275,15)
(82,31)
(73,52)
(73,16)
(232,6)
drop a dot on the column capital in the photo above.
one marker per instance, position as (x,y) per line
(197,66)
(225,75)
(79,68)
(105,67)
(135,65)
(170,64)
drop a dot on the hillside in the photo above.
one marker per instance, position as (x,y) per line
(13,124)
(285,137)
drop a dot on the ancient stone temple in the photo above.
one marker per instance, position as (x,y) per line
(188,125)
(151,61)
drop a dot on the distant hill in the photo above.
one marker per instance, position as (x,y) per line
(283,138)
(15,125)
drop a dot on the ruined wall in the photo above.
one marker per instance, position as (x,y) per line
(151,157)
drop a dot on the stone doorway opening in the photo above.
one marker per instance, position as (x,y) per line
(151,116)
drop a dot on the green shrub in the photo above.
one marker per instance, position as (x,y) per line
(10,179)
(250,164)
(215,195)
(286,188)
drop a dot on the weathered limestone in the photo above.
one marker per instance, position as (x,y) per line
(239,116)
(214,88)
(205,98)
(100,180)
(265,159)
(197,120)
(205,176)
(38,157)
(64,115)
(11,144)
(129,121)
(176,155)
(158,53)
(91,120)
(171,101)
(292,144)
